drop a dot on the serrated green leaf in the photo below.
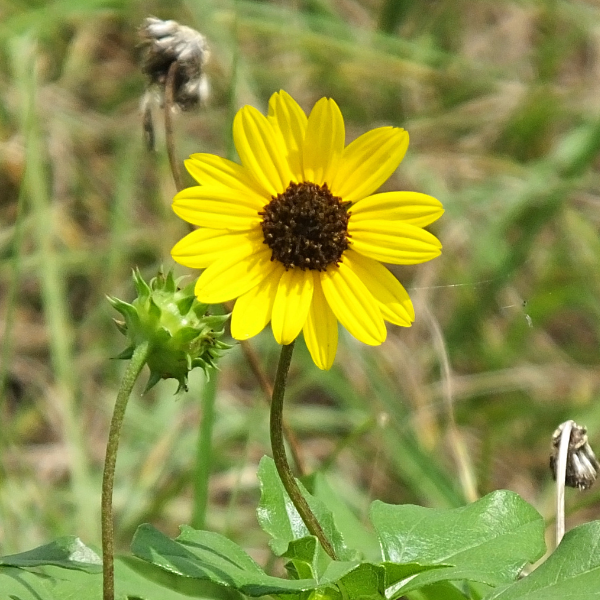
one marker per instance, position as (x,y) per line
(571,571)
(279,518)
(489,541)
(68,552)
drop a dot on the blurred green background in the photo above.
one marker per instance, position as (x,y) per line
(502,102)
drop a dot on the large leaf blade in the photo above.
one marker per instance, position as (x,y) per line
(571,571)
(68,552)
(211,557)
(133,579)
(279,518)
(490,540)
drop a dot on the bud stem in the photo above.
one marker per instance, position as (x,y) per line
(281,463)
(136,364)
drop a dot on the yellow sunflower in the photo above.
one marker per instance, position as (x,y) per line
(296,233)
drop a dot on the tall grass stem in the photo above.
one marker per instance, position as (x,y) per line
(466,473)
(203,466)
(52,279)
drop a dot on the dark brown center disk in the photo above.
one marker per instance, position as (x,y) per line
(306,227)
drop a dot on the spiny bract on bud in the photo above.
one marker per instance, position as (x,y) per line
(180,334)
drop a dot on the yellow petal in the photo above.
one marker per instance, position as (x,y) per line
(233,276)
(252,310)
(208,169)
(290,121)
(369,161)
(393,299)
(393,242)
(292,303)
(261,150)
(218,207)
(324,142)
(203,247)
(321,329)
(353,304)
(410,207)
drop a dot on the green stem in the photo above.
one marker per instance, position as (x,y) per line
(278,448)
(204,451)
(138,360)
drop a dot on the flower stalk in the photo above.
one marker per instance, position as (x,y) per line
(279,456)
(573,464)
(169,136)
(138,360)
(561,473)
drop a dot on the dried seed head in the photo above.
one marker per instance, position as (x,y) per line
(582,465)
(168,42)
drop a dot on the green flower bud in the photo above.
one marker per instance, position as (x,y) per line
(180,334)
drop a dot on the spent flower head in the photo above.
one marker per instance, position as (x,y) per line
(296,232)
(180,334)
(168,42)
(582,464)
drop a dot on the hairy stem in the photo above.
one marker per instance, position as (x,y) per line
(278,448)
(136,364)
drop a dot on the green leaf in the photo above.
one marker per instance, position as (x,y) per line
(279,518)
(306,562)
(395,572)
(133,579)
(489,541)
(210,556)
(68,552)
(367,581)
(438,591)
(354,533)
(571,571)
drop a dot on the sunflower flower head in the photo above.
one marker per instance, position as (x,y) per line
(180,333)
(296,233)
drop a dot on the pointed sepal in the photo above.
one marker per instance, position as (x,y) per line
(154,379)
